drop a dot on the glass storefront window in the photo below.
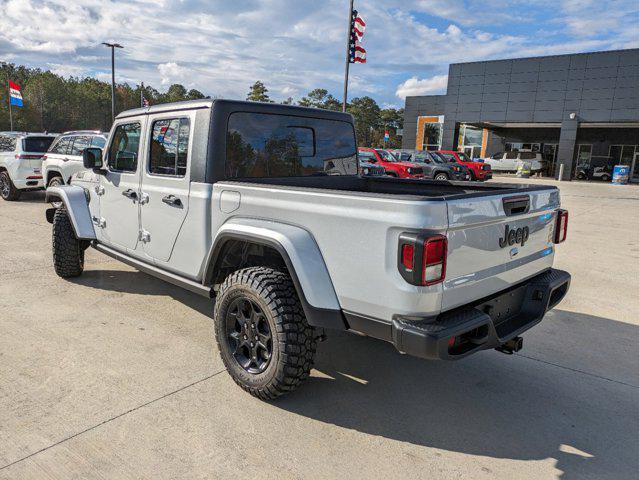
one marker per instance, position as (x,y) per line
(623,154)
(432,136)
(583,154)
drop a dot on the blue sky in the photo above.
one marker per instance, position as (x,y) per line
(222,47)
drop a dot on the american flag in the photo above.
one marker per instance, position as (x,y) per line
(358,26)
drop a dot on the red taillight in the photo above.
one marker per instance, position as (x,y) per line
(561,227)
(434,261)
(28,157)
(408,254)
(422,258)
(44,157)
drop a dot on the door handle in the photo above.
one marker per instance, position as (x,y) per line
(172,200)
(65,159)
(130,193)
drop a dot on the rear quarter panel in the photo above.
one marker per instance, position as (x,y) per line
(357,236)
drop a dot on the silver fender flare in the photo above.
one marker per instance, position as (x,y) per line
(297,246)
(75,201)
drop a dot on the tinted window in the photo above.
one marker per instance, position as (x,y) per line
(169,147)
(37,144)
(511,155)
(62,146)
(7,144)
(366,155)
(528,155)
(387,156)
(79,144)
(267,145)
(448,157)
(498,156)
(124,148)
(98,142)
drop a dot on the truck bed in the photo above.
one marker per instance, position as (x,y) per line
(397,188)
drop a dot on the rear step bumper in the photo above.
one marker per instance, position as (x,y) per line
(489,324)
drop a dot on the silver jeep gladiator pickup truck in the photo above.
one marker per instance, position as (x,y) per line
(259,207)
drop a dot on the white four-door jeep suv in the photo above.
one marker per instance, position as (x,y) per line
(64,157)
(21,162)
(239,202)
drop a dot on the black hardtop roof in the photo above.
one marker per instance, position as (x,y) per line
(239,106)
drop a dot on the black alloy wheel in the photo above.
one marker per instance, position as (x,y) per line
(249,335)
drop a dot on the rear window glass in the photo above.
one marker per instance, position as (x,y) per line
(79,144)
(98,142)
(37,144)
(62,146)
(7,144)
(268,145)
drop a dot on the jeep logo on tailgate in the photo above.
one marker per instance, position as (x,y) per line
(511,237)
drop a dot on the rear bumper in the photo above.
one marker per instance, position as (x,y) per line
(487,323)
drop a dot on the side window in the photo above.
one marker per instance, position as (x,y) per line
(98,142)
(124,148)
(169,147)
(366,155)
(528,156)
(498,156)
(79,144)
(62,146)
(7,144)
(511,155)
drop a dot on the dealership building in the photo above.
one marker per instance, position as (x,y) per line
(576,110)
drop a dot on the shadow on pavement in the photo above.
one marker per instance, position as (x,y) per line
(490,404)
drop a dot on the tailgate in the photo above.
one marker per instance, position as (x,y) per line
(497,241)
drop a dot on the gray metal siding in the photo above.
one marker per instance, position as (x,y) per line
(600,86)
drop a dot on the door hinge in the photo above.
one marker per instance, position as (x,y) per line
(144,236)
(100,222)
(99,190)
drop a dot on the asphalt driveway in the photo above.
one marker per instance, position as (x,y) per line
(115,375)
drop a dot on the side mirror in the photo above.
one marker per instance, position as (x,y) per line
(92,158)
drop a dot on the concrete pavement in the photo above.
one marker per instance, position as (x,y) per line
(115,375)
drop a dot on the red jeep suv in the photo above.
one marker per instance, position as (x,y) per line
(391,164)
(478,171)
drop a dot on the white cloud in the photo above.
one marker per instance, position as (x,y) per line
(293,46)
(414,86)
(171,72)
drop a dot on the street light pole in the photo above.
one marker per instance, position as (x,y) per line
(112,46)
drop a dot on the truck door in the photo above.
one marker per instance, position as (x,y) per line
(120,186)
(165,183)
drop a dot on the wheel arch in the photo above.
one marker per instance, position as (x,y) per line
(299,254)
(53,173)
(75,201)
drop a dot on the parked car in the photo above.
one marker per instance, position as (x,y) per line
(478,171)
(434,166)
(21,162)
(391,164)
(64,157)
(368,169)
(509,161)
(277,244)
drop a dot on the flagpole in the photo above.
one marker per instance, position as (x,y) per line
(142,95)
(10,112)
(348,55)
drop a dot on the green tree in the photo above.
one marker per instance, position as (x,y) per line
(368,122)
(258,93)
(320,98)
